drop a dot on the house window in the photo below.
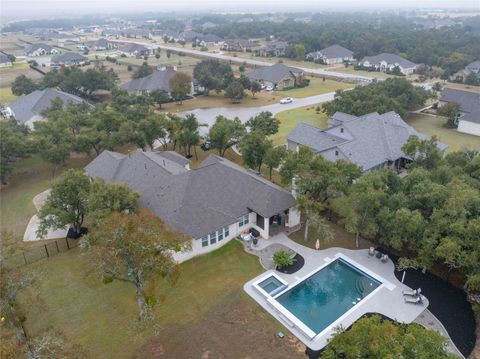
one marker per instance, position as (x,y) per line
(220,234)
(341,130)
(204,241)
(243,220)
(226,232)
(213,238)
(336,153)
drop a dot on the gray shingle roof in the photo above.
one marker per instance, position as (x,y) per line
(4,59)
(159,80)
(390,59)
(471,117)
(35,47)
(68,58)
(132,47)
(38,101)
(468,101)
(195,202)
(368,141)
(335,52)
(273,73)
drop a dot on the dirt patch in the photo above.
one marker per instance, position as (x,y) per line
(237,329)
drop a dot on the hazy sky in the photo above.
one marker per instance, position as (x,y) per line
(22,9)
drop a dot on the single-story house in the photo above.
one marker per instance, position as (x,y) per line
(40,50)
(158,80)
(473,67)
(239,45)
(134,50)
(212,204)
(371,141)
(136,33)
(69,59)
(101,45)
(469,109)
(273,48)
(5,61)
(334,54)
(189,36)
(29,108)
(386,61)
(278,76)
(209,40)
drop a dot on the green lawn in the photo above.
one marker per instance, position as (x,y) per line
(291,118)
(30,177)
(316,87)
(6,95)
(205,310)
(433,125)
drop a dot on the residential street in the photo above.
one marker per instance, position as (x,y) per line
(207,116)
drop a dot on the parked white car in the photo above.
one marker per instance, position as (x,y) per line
(286,100)
(269,88)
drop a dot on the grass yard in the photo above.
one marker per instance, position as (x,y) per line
(351,70)
(291,118)
(205,314)
(433,125)
(6,95)
(219,100)
(316,87)
(341,239)
(8,74)
(30,177)
(457,86)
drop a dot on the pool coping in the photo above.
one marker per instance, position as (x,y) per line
(297,322)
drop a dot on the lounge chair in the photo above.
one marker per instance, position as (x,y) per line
(371,251)
(384,258)
(412,293)
(416,300)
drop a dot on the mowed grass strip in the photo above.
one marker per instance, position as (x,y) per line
(434,126)
(101,318)
(291,118)
(317,86)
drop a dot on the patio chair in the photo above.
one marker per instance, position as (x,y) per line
(416,300)
(384,258)
(412,293)
(371,251)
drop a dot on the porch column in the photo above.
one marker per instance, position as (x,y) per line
(266,226)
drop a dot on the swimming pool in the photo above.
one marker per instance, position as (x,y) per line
(322,298)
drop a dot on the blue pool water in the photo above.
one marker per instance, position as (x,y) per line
(324,297)
(272,285)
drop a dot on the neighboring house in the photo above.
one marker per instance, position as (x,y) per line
(69,59)
(239,45)
(136,33)
(40,50)
(189,36)
(273,48)
(473,67)
(101,45)
(5,61)
(278,76)
(371,141)
(334,54)
(212,204)
(135,50)
(469,109)
(159,80)
(209,40)
(28,109)
(386,61)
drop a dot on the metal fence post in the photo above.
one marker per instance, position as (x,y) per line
(46,250)
(24,258)
(66,240)
(56,244)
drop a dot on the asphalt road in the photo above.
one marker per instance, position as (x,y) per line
(207,116)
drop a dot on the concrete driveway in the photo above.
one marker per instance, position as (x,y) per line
(207,116)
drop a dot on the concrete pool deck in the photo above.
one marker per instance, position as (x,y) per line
(387,300)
